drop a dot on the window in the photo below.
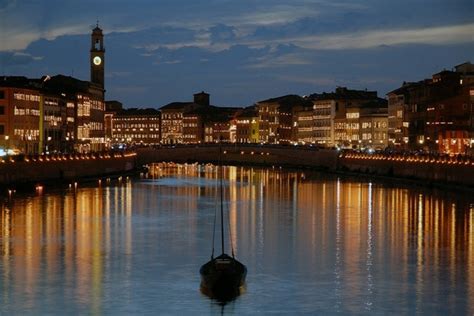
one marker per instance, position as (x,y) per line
(2,94)
(2,110)
(353,115)
(2,130)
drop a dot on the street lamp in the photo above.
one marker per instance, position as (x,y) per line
(6,142)
(48,139)
(28,144)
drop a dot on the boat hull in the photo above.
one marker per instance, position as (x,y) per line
(222,277)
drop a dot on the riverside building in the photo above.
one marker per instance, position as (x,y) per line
(337,117)
(435,114)
(132,127)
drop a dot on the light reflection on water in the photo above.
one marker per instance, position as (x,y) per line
(312,244)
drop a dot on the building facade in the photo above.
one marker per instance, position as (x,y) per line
(136,127)
(276,118)
(337,116)
(324,112)
(20,101)
(435,114)
(303,126)
(247,126)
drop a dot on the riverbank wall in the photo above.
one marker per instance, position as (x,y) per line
(41,169)
(430,170)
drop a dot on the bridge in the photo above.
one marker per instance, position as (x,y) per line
(243,154)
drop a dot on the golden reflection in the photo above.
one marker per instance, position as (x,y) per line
(44,236)
(361,232)
(420,251)
(470,267)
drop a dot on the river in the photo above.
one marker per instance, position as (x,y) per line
(313,243)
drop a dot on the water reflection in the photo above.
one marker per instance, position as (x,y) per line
(51,239)
(318,243)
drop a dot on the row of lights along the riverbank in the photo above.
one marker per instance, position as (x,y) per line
(41,158)
(412,158)
(39,188)
(251,153)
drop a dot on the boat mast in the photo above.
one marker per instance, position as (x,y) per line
(222,195)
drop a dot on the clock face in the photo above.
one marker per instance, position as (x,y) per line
(97,60)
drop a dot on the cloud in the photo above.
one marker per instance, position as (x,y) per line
(241,50)
(18,58)
(222,32)
(434,35)
(463,33)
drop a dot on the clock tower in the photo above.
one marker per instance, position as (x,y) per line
(97,53)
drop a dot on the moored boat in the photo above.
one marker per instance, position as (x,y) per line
(222,277)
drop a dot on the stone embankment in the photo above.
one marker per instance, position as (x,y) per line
(50,168)
(430,169)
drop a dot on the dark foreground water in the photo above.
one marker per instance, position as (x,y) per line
(313,244)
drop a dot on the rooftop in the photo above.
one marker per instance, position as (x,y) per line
(288,101)
(177,105)
(139,112)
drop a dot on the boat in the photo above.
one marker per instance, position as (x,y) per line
(223,276)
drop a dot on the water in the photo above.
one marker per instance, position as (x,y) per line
(312,243)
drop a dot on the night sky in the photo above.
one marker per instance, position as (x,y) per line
(160,51)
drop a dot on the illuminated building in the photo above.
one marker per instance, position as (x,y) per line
(324,112)
(373,122)
(111,109)
(364,125)
(136,127)
(437,112)
(196,122)
(285,127)
(20,115)
(397,118)
(221,132)
(84,100)
(337,116)
(172,120)
(448,123)
(58,113)
(224,124)
(268,121)
(219,122)
(247,127)
(303,125)
(276,118)
(54,112)
(193,128)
